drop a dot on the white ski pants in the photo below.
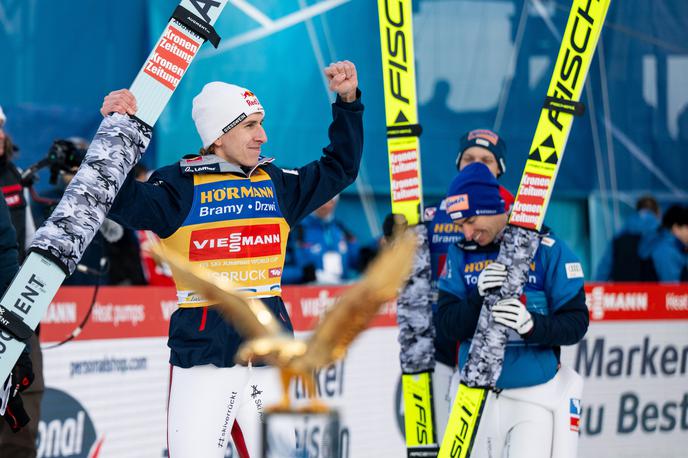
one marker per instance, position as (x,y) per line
(204,403)
(533,422)
(441,397)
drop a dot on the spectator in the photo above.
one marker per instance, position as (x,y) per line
(15,195)
(621,261)
(667,248)
(14,239)
(321,249)
(20,412)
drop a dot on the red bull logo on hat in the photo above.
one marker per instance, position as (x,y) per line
(250,98)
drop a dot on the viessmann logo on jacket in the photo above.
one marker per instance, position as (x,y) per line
(235,242)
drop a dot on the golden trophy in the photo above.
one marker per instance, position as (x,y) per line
(266,341)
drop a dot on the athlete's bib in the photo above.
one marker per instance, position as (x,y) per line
(236,229)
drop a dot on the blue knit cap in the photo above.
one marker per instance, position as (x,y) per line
(474,192)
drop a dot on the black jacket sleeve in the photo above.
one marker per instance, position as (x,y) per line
(303,190)
(457,318)
(566,326)
(9,261)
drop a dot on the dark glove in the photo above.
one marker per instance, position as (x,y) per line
(308,275)
(28,181)
(22,377)
(15,415)
(22,373)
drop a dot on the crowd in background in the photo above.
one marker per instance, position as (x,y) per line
(651,246)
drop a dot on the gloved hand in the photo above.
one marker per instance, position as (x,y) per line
(19,380)
(492,276)
(513,314)
(22,373)
(16,415)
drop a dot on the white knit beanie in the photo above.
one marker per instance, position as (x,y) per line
(3,118)
(221,106)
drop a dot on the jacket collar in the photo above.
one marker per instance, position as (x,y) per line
(211,163)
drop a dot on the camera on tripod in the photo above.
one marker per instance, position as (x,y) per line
(64,155)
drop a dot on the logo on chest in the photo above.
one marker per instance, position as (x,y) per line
(235,242)
(472,271)
(234,202)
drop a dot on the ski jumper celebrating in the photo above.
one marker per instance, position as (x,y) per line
(231,209)
(518,419)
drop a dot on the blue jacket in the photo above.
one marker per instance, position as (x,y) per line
(642,223)
(554,295)
(668,255)
(200,335)
(308,243)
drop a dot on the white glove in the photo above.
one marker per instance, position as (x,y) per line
(513,314)
(492,276)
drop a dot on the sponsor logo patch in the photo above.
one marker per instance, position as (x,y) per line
(235,242)
(429,213)
(233,124)
(548,241)
(202,168)
(251,99)
(457,203)
(574,270)
(574,414)
(483,135)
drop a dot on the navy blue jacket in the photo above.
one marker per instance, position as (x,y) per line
(163,203)
(9,256)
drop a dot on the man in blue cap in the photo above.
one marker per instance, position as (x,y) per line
(482,146)
(550,313)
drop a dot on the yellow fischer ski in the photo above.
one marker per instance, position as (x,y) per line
(463,421)
(419,422)
(406,190)
(561,104)
(401,112)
